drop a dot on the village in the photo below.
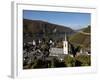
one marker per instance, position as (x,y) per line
(47,54)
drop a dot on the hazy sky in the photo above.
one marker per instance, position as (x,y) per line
(69,19)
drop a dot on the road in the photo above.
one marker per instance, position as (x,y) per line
(84,33)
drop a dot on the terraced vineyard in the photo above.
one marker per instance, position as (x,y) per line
(82,38)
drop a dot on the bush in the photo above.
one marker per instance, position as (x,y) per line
(69,61)
(84,60)
(81,60)
(58,63)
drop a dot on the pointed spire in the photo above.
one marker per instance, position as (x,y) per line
(65,37)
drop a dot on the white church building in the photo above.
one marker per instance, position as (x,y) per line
(60,51)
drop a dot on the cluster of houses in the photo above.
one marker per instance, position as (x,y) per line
(41,50)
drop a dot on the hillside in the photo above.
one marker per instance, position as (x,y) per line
(87,29)
(34,29)
(82,38)
(37,26)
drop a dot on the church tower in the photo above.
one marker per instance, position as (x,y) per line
(65,46)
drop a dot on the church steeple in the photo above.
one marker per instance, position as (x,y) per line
(65,45)
(65,37)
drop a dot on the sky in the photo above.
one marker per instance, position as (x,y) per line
(69,19)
